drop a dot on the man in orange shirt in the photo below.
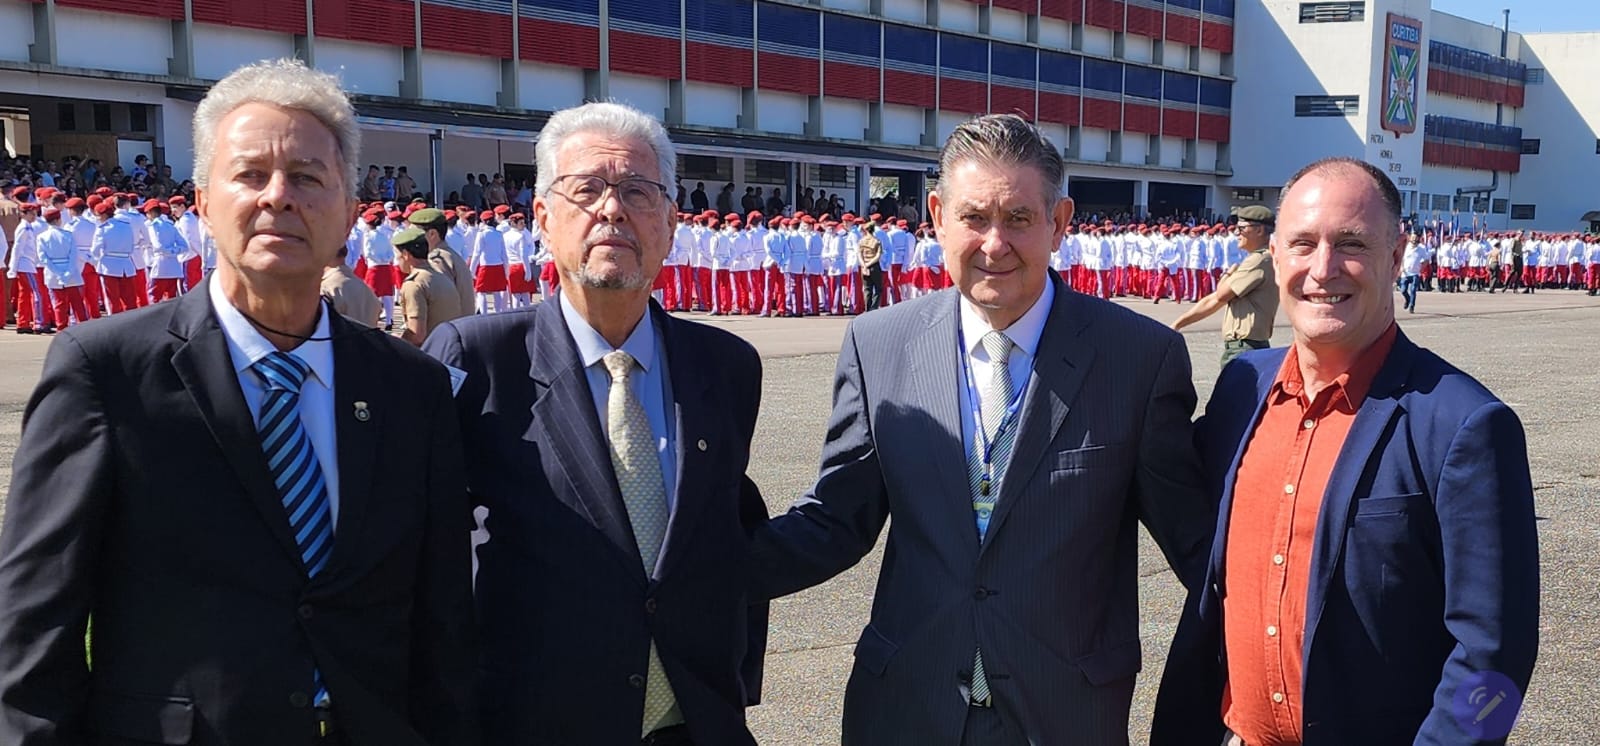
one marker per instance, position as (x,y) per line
(1375,575)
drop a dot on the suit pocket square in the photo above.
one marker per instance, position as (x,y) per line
(1081,458)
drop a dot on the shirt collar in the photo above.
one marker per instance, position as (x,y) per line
(641,343)
(1351,386)
(1024,332)
(247,346)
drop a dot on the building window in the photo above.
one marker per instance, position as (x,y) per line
(1327,106)
(138,118)
(102,117)
(1463,203)
(1332,12)
(767,171)
(833,174)
(1530,147)
(1440,202)
(66,117)
(1522,212)
(1501,206)
(704,167)
(1480,204)
(1533,76)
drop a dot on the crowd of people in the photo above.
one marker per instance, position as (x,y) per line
(289,529)
(1508,261)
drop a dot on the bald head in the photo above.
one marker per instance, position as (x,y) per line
(1343,167)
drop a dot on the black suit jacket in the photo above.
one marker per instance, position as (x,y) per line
(566,609)
(141,497)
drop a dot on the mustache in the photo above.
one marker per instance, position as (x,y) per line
(609,234)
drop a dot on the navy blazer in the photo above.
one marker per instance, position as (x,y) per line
(1425,569)
(565,608)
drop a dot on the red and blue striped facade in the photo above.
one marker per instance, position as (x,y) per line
(1461,143)
(803,50)
(1469,73)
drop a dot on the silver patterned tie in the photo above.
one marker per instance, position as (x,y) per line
(637,464)
(986,482)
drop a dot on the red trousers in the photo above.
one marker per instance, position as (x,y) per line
(754,293)
(33,300)
(702,288)
(69,299)
(722,291)
(1163,282)
(896,277)
(741,291)
(163,289)
(775,292)
(143,299)
(192,272)
(91,290)
(122,293)
(1594,277)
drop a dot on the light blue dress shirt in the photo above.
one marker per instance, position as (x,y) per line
(246,346)
(651,384)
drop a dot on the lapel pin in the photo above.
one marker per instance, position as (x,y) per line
(362,413)
(702,444)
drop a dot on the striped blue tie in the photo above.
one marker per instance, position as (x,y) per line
(294,466)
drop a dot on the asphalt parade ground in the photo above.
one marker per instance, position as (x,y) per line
(1540,353)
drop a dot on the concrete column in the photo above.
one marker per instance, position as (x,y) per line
(43,48)
(737,177)
(984,18)
(874,131)
(305,45)
(181,63)
(1141,198)
(411,57)
(863,189)
(511,70)
(931,12)
(597,85)
(436,164)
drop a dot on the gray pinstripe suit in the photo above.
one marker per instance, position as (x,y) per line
(1050,595)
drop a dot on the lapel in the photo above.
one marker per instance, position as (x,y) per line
(204,366)
(357,377)
(1263,384)
(1338,502)
(933,385)
(695,416)
(565,423)
(1059,367)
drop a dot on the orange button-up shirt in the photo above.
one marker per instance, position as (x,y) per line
(1277,497)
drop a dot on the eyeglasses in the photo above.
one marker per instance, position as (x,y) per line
(586,190)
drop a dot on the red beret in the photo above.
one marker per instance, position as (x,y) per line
(44,193)
(395,215)
(486,215)
(518,216)
(155,205)
(104,191)
(372,216)
(502,209)
(754,215)
(462,209)
(807,219)
(75,203)
(51,213)
(775,222)
(900,223)
(105,209)
(876,217)
(732,216)
(20,194)
(177,199)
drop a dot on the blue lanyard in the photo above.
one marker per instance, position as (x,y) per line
(976,406)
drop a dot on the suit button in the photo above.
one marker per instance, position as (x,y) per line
(306,612)
(299,699)
(636,681)
(649,606)
(981,594)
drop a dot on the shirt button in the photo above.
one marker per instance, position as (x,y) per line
(1288,489)
(1277,559)
(299,699)
(1272,631)
(636,681)
(306,612)
(1277,697)
(649,606)
(1310,424)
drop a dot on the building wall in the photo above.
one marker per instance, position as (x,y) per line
(1563,113)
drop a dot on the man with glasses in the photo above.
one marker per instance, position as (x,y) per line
(610,442)
(1247,291)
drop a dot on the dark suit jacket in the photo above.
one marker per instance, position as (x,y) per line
(1425,569)
(1051,594)
(141,496)
(566,609)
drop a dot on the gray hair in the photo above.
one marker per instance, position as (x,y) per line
(617,120)
(286,84)
(1007,140)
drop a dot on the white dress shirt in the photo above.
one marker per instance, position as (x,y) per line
(246,346)
(1024,333)
(652,385)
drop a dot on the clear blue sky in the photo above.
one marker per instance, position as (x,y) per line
(1527,16)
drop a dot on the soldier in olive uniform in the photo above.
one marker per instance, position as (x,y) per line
(427,294)
(1249,292)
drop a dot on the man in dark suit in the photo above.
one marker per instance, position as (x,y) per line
(609,444)
(1017,432)
(212,480)
(1385,591)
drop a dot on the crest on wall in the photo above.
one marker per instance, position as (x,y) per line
(1402,68)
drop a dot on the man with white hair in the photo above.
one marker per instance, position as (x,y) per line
(610,441)
(204,479)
